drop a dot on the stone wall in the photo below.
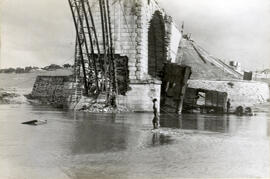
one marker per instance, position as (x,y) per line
(140,98)
(244,93)
(54,90)
(130,21)
(59,91)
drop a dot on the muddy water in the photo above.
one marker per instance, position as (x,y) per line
(81,145)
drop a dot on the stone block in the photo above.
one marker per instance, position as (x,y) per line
(138,74)
(146,93)
(138,65)
(132,77)
(132,69)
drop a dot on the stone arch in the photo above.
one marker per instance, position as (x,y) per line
(157,53)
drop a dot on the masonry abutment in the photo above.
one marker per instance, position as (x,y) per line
(131,26)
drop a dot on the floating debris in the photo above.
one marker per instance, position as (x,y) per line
(35,122)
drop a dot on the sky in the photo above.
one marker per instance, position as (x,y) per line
(41,32)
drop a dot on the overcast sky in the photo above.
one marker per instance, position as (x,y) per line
(40,32)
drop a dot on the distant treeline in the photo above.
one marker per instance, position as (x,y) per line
(29,69)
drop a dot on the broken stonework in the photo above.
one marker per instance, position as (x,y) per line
(241,93)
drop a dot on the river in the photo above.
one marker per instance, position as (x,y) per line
(82,145)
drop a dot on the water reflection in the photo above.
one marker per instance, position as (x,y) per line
(212,123)
(95,137)
(198,122)
(161,139)
(124,144)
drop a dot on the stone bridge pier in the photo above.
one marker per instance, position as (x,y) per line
(143,32)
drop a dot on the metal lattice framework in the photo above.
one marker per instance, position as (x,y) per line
(95,70)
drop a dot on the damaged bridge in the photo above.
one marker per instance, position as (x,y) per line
(138,31)
(129,52)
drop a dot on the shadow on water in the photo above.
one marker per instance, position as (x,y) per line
(213,123)
(92,137)
(161,139)
(252,126)
(97,133)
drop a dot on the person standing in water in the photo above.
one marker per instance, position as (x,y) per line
(228,105)
(155,119)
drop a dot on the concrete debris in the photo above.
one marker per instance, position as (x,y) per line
(103,108)
(9,98)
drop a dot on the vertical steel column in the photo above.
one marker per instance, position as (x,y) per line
(107,44)
(105,50)
(79,42)
(114,82)
(93,26)
(91,44)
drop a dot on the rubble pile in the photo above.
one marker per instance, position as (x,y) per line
(8,97)
(103,108)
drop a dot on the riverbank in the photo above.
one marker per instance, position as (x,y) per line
(14,87)
(241,93)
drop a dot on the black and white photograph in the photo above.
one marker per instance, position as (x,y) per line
(134,89)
